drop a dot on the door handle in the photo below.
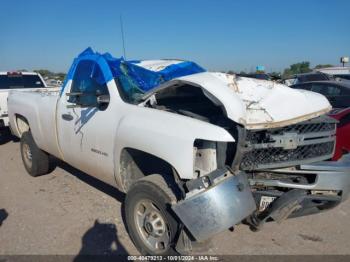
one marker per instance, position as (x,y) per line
(67,117)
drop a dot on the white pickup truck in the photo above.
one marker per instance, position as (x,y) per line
(195,152)
(16,80)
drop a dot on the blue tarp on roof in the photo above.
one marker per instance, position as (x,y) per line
(144,79)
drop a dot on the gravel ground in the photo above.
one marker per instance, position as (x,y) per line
(68,212)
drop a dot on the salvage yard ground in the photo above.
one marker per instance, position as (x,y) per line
(69,212)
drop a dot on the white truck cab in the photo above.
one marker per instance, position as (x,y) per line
(16,81)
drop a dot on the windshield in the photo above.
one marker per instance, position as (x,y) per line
(128,87)
(20,81)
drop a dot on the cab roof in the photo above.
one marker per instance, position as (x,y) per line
(147,74)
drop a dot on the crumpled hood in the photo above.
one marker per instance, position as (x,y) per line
(266,104)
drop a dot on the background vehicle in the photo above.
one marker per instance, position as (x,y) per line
(335,70)
(53,83)
(342,76)
(337,92)
(195,152)
(16,80)
(307,77)
(343,132)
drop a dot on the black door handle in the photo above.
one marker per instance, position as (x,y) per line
(67,117)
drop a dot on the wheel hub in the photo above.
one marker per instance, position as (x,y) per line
(148,227)
(152,226)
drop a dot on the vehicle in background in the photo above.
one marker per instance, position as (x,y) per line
(195,152)
(342,77)
(336,70)
(307,77)
(339,72)
(53,82)
(16,80)
(337,92)
(343,132)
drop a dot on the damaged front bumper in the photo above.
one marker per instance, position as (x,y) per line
(221,199)
(325,185)
(215,203)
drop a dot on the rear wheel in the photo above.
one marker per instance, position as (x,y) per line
(35,161)
(149,218)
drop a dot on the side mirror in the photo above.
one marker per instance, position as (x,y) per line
(74,98)
(103,99)
(103,102)
(74,94)
(79,99)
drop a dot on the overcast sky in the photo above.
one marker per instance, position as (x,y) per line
(219,35)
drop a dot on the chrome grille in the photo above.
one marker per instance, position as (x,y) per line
(305,142)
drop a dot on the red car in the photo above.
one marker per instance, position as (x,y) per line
(343,132)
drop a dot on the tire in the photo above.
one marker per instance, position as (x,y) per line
(151,193)
(35,161)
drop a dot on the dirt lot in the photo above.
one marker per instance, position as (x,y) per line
(68,212)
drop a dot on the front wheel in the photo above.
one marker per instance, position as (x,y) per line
(150,221)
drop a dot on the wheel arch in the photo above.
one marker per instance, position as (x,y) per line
(135,164)
(21,124)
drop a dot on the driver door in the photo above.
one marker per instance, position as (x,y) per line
(81,123)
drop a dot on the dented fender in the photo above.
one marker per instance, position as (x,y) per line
(167,136)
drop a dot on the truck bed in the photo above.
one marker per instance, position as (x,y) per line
(39,107)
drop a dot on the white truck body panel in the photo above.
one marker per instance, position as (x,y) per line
(75,140)
(42,115)
(93,140)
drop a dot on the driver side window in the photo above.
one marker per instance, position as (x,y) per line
(88,81)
